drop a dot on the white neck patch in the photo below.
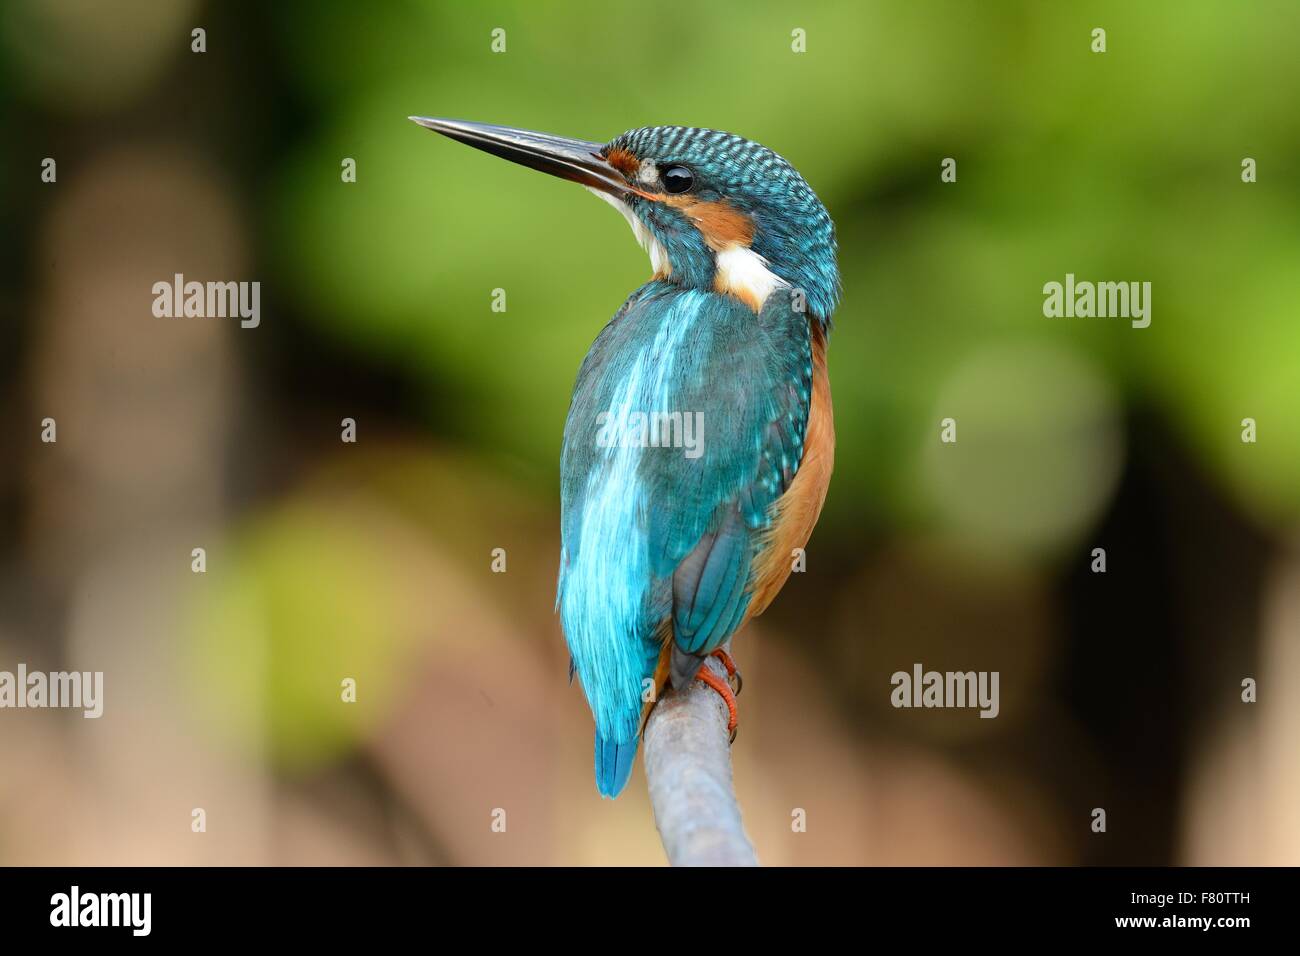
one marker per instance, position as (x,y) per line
(744,273)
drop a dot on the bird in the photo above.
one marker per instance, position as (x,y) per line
(666,554)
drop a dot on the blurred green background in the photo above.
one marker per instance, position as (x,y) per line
(372,561)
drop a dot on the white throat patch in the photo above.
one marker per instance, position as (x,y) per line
(658,254)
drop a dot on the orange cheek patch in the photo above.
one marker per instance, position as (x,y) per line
(721,224)
(623,161)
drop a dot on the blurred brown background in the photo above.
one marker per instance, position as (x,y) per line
(372,561)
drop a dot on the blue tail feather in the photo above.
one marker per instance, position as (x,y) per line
(614,762)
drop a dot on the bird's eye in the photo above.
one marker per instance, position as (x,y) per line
(678,179)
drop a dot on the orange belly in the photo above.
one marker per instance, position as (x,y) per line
(796,511)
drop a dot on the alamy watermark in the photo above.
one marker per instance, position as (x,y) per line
(130,910)
(922,688)
(53,689)
(1103,300)
(208,300)
(683,430)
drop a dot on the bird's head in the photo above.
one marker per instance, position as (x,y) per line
(714,210)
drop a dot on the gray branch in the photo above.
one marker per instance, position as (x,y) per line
(688,769)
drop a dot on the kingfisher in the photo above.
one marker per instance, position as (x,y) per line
(699,440)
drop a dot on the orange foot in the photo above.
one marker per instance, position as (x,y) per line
(733,672)
(723,688)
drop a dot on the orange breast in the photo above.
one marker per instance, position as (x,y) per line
(797,510)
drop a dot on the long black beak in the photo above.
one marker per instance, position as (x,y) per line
(572,159)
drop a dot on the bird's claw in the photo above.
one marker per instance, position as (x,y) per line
(734,677)
(726,689)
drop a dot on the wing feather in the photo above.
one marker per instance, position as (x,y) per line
(654,533)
